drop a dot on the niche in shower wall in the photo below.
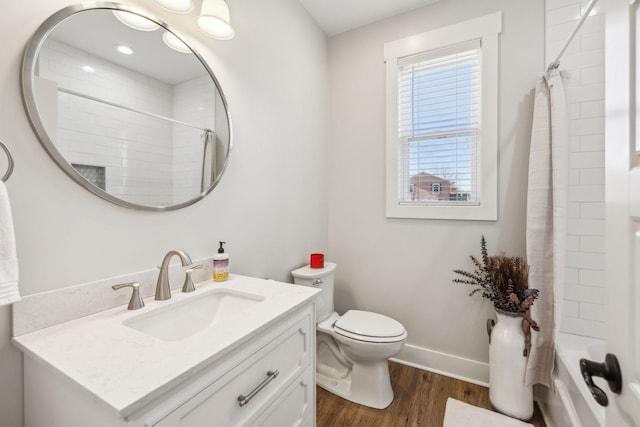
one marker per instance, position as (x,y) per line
(94,174)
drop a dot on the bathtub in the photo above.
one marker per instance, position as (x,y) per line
(572,405)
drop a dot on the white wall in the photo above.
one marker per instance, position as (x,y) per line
(270,206)
(402,267)
(583,309)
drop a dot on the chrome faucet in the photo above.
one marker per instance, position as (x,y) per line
(163,290)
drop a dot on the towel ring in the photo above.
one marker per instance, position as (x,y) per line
(10,160)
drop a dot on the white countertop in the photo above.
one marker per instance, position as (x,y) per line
(124,368)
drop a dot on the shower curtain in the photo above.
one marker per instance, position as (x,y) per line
(208,153)
(547,200)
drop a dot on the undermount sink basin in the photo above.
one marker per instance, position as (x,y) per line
(186,318)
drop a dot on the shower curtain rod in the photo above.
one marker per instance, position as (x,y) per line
(114,104)
(585,14)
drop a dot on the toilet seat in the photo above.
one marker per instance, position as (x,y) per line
(370,327)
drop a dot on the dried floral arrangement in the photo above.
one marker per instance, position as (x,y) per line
(503,280)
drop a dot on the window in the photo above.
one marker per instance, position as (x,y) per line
(442,122)
(439,119)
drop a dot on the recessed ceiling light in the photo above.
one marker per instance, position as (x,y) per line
(180,6)
(175,43)
(88,69)
(135,21)
(126,50)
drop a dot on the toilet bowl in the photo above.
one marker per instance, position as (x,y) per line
(352,349)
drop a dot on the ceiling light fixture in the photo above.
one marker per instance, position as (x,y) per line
(174,42)
(126,50)
(88,69)
(180,6)
(214,20)
(134,21)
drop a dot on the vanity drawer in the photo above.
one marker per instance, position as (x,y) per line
(294,407)
(218,403)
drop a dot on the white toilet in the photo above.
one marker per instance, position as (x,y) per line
(352,349)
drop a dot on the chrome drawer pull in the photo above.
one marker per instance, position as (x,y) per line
(243,400)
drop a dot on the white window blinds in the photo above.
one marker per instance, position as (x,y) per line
(439,126)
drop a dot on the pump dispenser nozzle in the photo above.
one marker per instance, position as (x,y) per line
(221,249)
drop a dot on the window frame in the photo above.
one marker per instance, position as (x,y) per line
(436,188)
(487,29)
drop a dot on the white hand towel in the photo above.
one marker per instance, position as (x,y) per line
(9,292)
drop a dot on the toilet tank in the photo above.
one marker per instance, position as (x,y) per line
(321,278)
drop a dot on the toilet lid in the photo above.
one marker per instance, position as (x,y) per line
(368,324)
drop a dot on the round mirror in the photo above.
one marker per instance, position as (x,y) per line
(126,107)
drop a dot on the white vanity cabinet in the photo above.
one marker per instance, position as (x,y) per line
(277,365)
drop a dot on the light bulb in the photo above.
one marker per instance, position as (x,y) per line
(214,20)
(134,21)
(175,43)
(180,6)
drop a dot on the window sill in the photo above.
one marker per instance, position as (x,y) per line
(468,213)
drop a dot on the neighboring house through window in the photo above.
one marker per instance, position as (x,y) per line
(442,118)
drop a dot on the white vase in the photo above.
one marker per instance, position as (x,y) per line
(507,363)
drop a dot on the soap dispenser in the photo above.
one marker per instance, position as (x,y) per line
(221,265)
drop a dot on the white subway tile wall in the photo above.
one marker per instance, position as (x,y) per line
(137,151)
(583,310)
(194,102)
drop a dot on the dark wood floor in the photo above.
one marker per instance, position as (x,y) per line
(420,399)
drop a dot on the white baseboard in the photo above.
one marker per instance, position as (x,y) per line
(446,364)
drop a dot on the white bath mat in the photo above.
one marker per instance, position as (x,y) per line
(460,414)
